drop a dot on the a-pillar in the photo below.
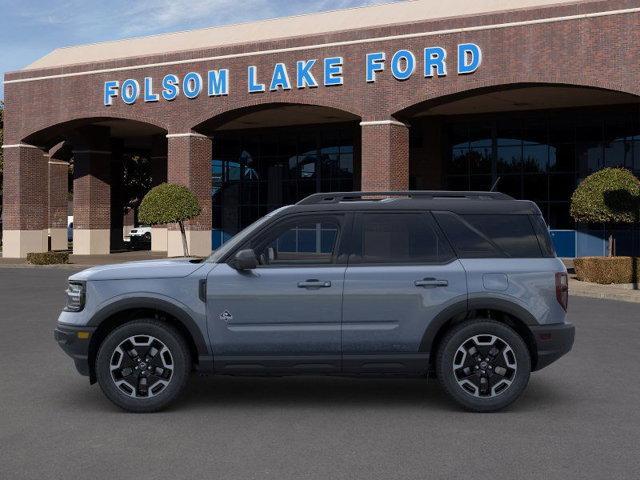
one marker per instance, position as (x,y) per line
(189,164)
(92,192)
(385,156)
(58,192)
(158,176)
(25,212)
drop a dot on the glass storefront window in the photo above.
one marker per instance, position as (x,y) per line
(256,171)
(540,155)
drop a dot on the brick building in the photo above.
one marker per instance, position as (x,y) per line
(417,94)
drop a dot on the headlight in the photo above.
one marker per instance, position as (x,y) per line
(75,297)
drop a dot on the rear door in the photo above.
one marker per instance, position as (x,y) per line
(401,274)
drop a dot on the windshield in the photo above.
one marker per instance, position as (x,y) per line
(241,236)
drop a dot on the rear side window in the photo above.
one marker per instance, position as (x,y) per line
(466,240)
(398,238)
(487,236)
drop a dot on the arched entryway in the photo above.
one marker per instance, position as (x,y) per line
(100,166)
(271,155)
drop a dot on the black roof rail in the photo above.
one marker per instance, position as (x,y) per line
(335,197)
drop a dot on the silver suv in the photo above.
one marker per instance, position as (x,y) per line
(463,285)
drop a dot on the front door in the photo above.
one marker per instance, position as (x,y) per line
(401,274)
(283,316)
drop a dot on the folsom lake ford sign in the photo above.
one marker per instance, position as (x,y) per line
(309,73)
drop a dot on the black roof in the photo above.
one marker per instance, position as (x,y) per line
(452,201)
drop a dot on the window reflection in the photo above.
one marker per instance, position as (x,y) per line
(541,156)
(257,171)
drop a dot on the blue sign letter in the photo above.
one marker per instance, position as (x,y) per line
(149,96)
(170,86)
(434,57)
(397,69)
(192,84)
(304,77)
(469,57)
(110,91)
(130,91)
(333,71)
(253,86)
(375,63)
(280,78)
(218,82)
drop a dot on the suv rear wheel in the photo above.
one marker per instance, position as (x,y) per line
(483,365)
(143,365)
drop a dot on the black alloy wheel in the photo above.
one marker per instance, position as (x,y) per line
(483,365)
(143,365)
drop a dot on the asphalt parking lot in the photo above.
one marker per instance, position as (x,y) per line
(579,418)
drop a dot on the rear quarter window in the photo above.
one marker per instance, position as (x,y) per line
(492,236)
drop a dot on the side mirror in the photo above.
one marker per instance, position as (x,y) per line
(245,260)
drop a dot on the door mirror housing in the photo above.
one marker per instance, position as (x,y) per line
(245,260)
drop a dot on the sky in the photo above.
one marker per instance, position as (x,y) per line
(29,29)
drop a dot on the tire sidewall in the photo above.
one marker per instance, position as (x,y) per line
(181,359)
(454,340)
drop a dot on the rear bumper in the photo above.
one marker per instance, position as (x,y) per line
(552,342)
(74,345)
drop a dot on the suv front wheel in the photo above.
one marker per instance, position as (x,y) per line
(483,365)
(143,366)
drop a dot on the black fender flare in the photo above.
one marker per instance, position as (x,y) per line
(154,303)
(463,307)
(506,306)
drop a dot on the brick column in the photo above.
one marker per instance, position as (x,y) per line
(385,156)
(58,191)
(158,176)
(25,211)
(92,192)
(189,164)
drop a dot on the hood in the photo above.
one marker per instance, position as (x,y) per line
(147,269)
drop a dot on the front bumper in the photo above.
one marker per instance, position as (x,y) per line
(552,342)
(75,343)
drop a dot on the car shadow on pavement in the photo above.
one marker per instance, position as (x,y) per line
(309,392)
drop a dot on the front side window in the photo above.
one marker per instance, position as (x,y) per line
(305,241)
(398,238)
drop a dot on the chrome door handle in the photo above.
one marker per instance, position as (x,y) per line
(431,283)
(313,283)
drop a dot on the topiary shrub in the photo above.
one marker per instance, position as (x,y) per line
(606,270)
(48,258)
(611,195)
(170,203)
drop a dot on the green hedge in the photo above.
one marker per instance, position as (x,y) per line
(48,258)
(607,270)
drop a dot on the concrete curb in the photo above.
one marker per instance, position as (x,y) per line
(623,293)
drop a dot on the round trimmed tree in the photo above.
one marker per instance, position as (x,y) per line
(611,195)
(170,203)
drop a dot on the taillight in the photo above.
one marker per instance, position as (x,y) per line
(562,289)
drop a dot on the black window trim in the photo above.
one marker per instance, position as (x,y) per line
(339,259)
(356,224)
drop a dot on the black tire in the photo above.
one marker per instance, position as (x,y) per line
(174,368)
(473,395)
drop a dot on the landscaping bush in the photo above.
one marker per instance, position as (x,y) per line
(48,258)
(170,203)
(606,270)
(610,195)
